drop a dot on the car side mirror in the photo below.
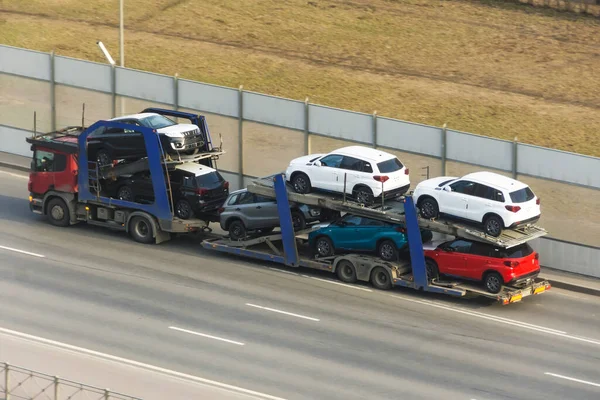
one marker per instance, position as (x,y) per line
(447,249)
(447,188)
(317,163)
(342,223)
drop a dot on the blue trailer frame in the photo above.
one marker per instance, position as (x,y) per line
(417,278)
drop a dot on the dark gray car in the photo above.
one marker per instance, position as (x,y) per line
(244,211)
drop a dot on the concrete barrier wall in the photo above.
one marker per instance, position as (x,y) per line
(261,133)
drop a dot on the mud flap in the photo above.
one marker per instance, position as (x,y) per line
(161,236)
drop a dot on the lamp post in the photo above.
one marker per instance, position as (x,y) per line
(121,35)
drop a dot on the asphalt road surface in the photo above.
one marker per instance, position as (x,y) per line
(286,333)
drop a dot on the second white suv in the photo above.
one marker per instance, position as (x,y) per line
(369,173)
(494,200)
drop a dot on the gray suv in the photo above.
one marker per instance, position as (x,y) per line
(244,211)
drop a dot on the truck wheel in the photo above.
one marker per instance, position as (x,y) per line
(140,230)
(237,230)
(493,282)
(58,212)
(380,278)
(346,272)
(387,250)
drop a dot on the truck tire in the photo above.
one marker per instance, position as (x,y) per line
(380,278)
(345,271)
(140,230)
(58,212)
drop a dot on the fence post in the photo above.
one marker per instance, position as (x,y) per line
(241,136)
(176,92)
(113,88)
(375,129)
(106,394)
(514,158)
(56,388)
(444,148)
(52,94)
(6,382)
(306,129)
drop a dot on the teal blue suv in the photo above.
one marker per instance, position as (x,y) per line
(352,233)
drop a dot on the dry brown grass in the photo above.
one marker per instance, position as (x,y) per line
(496,69)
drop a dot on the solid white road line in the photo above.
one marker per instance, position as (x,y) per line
(22,251)
(573,379)
(149,367)
(15,175)
(205,335)
(339,283)
(284,271)
(502,320)
(283,312)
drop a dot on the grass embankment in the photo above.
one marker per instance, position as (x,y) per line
(496,69)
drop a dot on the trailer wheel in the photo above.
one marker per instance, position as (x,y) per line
(346,272)
(380,278)
(493,282)
(58,212)
(237,230)
(140,230)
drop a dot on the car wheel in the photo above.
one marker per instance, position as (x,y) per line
(493,225)
(429,208)
(301,183)
(324,247)
(58,212)
(103,158)
(125,193)
(493,282)
(431,268)
(298,220)
(346,272)
(237,230)
(140,230)
(387,251)
(363,195)
(380,278)
(183,209)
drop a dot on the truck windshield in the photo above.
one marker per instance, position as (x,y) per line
(391,165)
(210,180)
(521,196)
(157,122)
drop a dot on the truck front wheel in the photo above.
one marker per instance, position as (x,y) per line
(58,212)
(140,230)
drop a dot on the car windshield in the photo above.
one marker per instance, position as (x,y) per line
(522,195)
(520,251)
(157,122)
(210,180)
(391,165)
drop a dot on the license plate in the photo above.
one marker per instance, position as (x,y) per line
(516,297)
(539,290)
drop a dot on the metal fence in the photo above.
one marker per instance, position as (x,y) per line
(18,383)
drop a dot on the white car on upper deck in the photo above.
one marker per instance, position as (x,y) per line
(494,200)
(369,173)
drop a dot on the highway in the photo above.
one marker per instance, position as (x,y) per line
(286,333)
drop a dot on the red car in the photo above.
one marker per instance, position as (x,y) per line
(493,266)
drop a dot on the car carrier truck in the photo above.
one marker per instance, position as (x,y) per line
(66,186)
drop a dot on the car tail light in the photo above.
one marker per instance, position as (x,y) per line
(406,171)
(400,229)
(511,264)
(226,185)
(538,201)
(513,208)
(201,192)
(537,256)
(381,178)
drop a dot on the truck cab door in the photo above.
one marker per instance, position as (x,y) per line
(49,172)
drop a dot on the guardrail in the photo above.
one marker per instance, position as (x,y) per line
(18,383)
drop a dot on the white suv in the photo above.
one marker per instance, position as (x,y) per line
(369,173)
(494,200)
